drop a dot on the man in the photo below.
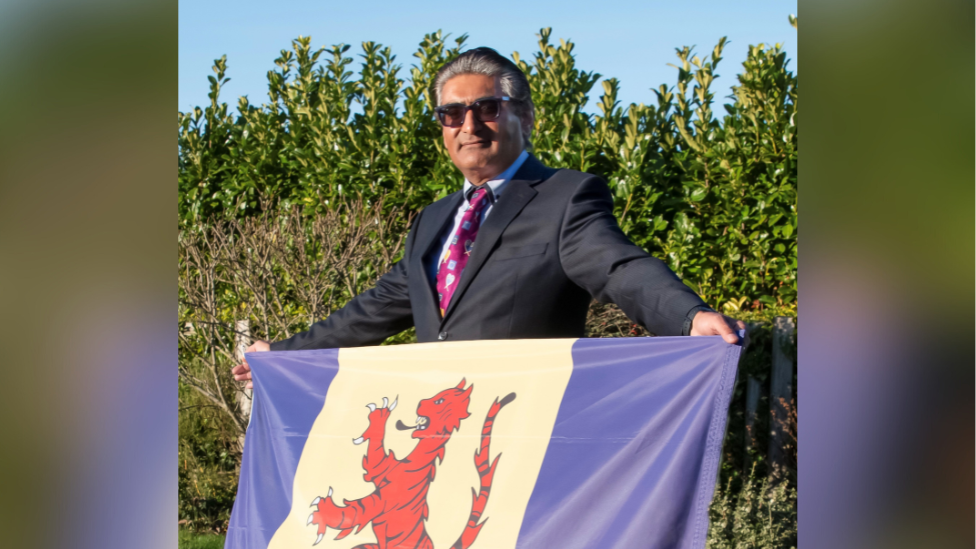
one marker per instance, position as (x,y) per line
(519,252)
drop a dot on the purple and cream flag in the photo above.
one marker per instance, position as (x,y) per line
(610,443)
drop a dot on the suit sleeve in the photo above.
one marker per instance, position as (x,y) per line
(367,319)
(597,256)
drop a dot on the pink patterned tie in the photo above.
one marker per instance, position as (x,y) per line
(453,262)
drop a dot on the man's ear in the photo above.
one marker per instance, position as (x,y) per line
(528,123)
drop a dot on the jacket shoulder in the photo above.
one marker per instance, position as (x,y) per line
(575,175)
(569,181)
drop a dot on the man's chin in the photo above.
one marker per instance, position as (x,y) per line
(474,158)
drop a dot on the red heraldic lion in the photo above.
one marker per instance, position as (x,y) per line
(398,507)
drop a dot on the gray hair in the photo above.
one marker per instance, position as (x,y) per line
(489,62)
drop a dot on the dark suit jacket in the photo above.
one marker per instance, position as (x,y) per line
(550,243)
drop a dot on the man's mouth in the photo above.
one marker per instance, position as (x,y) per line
(422,424)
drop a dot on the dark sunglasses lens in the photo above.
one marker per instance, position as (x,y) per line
(487,109)
(451,116)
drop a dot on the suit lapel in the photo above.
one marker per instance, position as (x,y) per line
(517,194)
(440,220)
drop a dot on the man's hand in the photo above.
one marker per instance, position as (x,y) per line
(708,323)
(242,372)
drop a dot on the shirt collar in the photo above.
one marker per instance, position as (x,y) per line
(497,184)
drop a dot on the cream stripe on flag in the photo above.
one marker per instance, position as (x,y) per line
(536,371)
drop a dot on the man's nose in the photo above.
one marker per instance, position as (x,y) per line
(471,124)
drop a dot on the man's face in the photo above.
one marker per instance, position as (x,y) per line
(481,150)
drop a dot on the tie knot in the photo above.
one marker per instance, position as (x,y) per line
(478,199)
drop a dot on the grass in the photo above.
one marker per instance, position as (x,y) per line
(190,540)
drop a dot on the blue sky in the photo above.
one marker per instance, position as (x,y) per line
(631,41)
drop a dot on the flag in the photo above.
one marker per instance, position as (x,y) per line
(486,444)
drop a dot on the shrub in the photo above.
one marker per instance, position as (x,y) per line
(716,198)
(269,278)
(209,463)
(761,513)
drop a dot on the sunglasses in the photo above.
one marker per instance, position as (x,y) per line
(485,110)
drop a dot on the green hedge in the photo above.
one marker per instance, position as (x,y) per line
(715,197)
